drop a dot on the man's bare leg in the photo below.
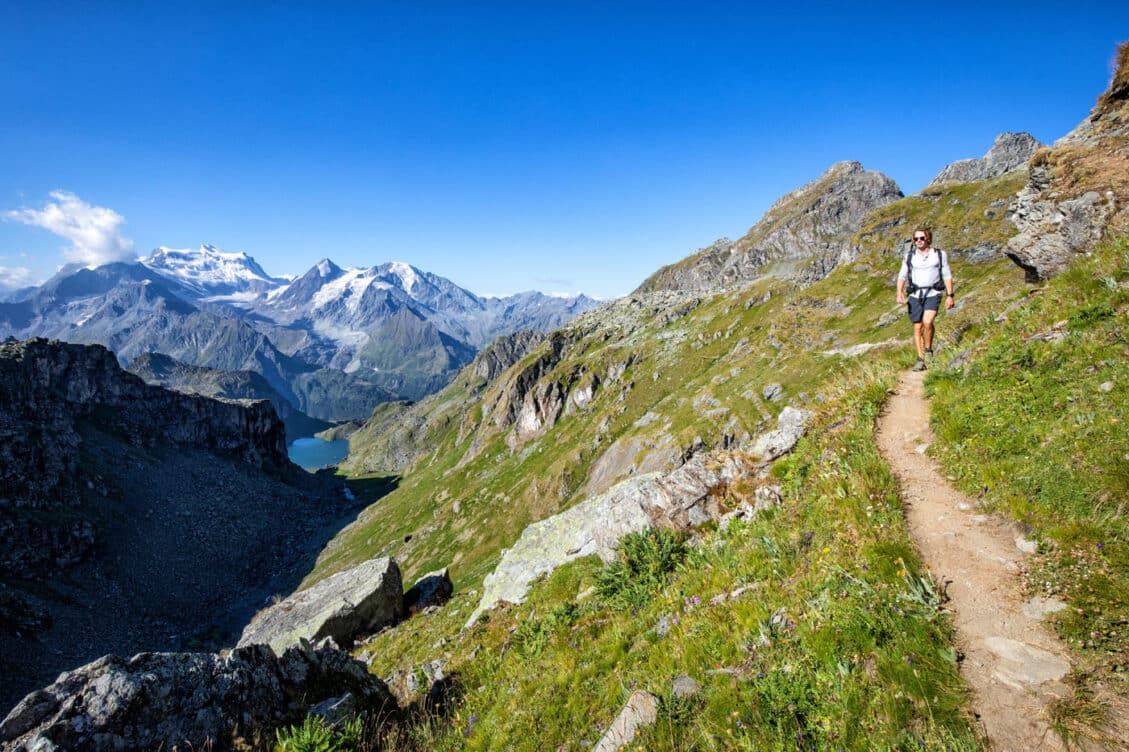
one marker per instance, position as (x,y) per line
(927,331)
(918,338)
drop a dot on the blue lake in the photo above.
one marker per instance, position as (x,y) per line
(312,454)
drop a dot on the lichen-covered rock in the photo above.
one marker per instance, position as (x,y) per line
(680,499)
(594,526)
(362,599)
(1009,152)
(181,700)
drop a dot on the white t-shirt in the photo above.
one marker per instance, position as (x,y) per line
(928,268)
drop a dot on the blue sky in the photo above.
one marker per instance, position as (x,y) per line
(508,146)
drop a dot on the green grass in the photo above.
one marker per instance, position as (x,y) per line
(858,656)
(838,643)
(1037,427)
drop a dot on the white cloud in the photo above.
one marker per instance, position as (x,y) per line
(15,276)
(93,231)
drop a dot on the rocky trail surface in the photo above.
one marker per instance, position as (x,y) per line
(1013,661)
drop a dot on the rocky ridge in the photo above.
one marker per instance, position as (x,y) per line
(1009,152)
(802,236)
(397,434)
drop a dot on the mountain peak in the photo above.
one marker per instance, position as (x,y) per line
(785,238)
(326,268)
(210,270)
(1009,152)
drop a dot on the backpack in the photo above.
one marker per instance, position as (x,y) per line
(939,285)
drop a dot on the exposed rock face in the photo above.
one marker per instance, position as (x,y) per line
(161,370)
(503,352)
(46,386)
(397,434)
(1078,188)
(180,700)
(681,499)
(1009,152)
(364,598)
(150,509)
(803,236)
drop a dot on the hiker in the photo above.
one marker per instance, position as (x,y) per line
(924,275)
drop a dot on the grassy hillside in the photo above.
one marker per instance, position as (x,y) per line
(691,380)
(964,217)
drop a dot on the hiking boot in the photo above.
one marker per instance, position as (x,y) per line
(929,355)
(919,365)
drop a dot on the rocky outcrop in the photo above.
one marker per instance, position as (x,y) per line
(164,517)
(161,370)
(803,236)
(362,599)
(47,386)
(433,589)
(503,352)
(681,499)
(1009,152)
(1078,189)
(187,700)
(397,434)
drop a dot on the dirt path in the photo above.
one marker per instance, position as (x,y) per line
(1012,660)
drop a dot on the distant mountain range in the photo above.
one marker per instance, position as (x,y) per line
(333,342)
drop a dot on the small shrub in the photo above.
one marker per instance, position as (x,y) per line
(646,562)
(315,736)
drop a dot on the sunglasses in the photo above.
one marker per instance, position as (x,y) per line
(920,237)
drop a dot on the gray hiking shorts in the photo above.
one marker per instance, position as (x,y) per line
(918,306)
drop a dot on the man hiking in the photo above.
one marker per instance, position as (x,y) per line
(926,270)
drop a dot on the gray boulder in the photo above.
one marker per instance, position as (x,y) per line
(1009,152)
(433,589)
(790,427)
(179,700)
(362,599)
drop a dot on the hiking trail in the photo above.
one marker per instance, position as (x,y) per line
(1013,661)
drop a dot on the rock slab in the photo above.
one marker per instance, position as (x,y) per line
(362,599)
(642,709)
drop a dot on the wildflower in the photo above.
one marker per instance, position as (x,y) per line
(826,549)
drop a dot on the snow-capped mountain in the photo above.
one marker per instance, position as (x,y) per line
(334,341)
(210,272)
